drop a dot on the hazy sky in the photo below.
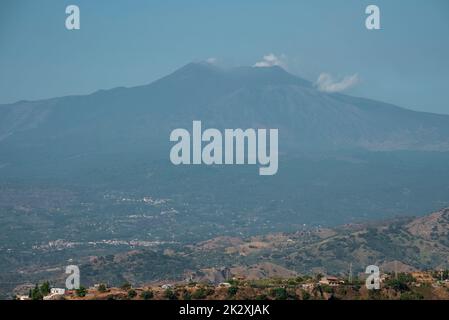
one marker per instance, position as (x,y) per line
(133,42)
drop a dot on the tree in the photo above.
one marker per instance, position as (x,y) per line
(36,293)
(232,291)
(102,288)
(186,295)
(126,286)
(170,295)
(397,285)
(132,294)
(147,295)
(279,293)
(45,288)
(401,283)
(81,292)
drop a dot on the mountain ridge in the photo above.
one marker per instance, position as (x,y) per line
(391,244)
(240,97)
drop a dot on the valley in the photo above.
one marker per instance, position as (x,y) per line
(398,245)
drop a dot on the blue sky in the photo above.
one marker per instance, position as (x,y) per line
(127,43)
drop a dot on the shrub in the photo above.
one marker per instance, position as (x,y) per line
(411,296)
(375,295)
(147,295)
(81,292)
(232,290)
(102,288)
(199,294)
(132,294)
(328,289)
(233,282)
(170,295)
(292,282)
(305,295)
(401,283)
(126,286)
(186,295)
(299,279)
(279,293)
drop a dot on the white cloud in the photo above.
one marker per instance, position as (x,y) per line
(211,60)
(327,83)
(270,60)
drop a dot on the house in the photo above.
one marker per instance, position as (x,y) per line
(307,286)
(55,293)
(60,291)
(331,281)
(23,297)
(167,286)
(224,285)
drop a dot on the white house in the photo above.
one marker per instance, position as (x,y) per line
(224,285)
(60,291)
(167,286)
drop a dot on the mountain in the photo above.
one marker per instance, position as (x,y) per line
(87,180)
(90,175)
(140,118)
(342,159)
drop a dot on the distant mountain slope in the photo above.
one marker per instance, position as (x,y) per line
(394,244)
(141,118)
(389,244)
(431,227)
